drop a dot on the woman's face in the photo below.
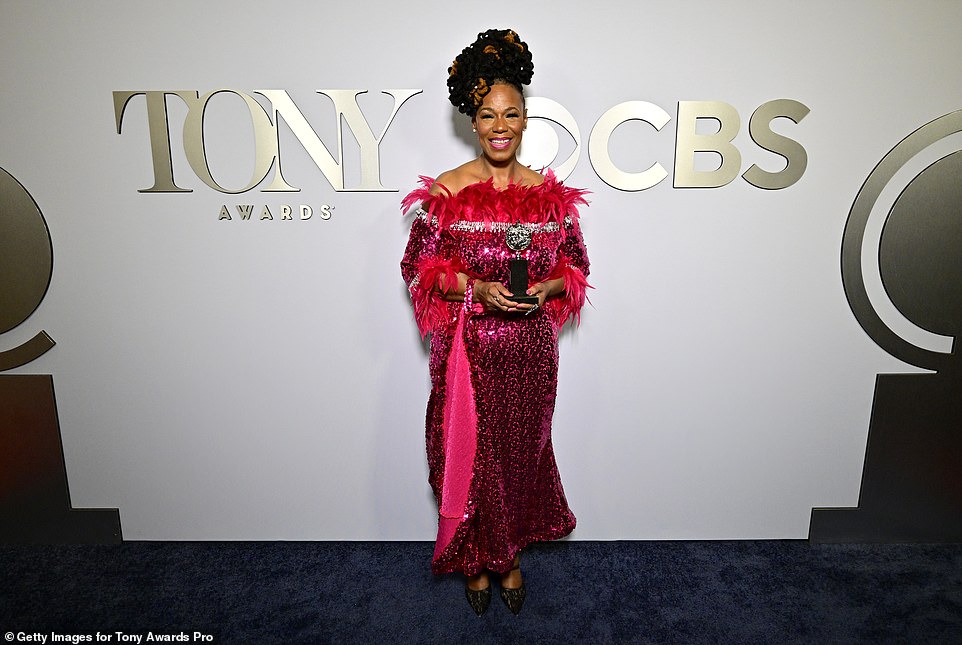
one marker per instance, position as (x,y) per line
(500,121)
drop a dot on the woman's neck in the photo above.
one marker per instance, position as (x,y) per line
(503,175)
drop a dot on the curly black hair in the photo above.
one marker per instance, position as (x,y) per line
(497,56)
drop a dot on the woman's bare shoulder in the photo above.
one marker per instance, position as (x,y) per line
(455,179)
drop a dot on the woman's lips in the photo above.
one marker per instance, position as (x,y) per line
(499,144)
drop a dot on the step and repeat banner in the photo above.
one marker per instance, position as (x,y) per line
(235,354)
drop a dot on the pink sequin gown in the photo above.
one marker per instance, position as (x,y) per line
(493,376)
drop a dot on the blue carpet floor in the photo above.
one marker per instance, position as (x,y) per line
(578,592)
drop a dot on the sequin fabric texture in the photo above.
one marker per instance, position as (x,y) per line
(514,494)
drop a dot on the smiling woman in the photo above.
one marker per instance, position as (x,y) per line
(499,123)
(495,264)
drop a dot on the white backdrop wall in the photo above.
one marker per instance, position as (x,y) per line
(264,379)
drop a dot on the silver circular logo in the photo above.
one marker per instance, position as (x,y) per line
(518,237)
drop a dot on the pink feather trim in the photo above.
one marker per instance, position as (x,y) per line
(550,201)
(422,194)
(576,287)
(430,307)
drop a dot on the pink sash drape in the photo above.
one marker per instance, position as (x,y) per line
(460,440)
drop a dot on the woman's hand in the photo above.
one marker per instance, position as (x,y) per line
(495,297)
(544,290)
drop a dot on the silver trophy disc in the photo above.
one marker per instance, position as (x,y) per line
(518,237)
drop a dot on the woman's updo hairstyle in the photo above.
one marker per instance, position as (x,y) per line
(497,56)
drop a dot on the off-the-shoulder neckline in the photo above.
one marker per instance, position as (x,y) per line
(548,178)
(481,201)
(490,180)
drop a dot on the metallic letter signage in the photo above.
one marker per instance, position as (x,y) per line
(265,145)
(159,134)
(688,142)
(795,156)
(541,144)
(540,150)
(601,134)
(267,153)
